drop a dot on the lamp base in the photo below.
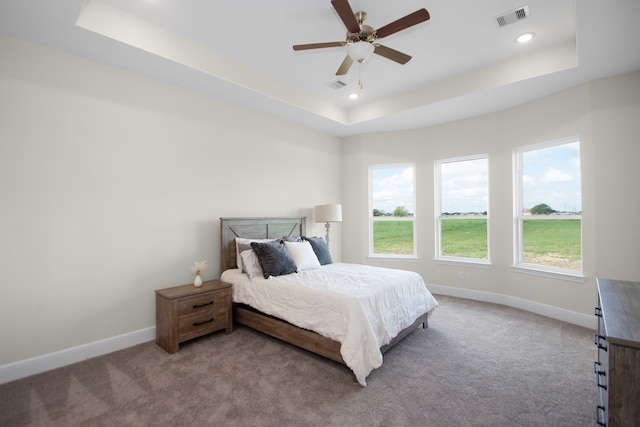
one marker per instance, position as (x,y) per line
(327,226)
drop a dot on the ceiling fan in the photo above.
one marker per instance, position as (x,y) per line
(361,40)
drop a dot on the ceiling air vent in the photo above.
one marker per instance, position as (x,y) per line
(338,84)
(513,16)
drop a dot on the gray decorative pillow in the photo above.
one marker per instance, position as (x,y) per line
(274,259)
(321,249)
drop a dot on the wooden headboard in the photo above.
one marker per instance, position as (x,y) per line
(255,228)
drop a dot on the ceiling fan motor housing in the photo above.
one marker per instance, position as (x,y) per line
(367,33)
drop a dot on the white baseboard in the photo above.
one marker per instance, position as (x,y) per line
(35,365)
(580,319)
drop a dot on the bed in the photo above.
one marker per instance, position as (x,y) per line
(360,325)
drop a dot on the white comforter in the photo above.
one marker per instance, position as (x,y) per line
(360,306)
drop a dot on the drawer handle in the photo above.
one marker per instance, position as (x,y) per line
(598,312)
(596,341)
(202,323)
(203,305)
(602,386)
(600,416)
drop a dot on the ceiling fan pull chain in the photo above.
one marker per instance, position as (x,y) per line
(360,76)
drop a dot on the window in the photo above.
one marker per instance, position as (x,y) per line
(548,207)
(392,210)
(462,198)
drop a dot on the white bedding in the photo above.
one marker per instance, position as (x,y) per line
(360,306)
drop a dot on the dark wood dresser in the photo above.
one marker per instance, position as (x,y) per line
(618,366)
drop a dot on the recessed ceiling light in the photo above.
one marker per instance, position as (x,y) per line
(524,38)
(353,95)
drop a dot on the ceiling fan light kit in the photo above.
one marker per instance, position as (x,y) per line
(362,40)
(360,51)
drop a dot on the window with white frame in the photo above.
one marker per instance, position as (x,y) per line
(461,203)
(392,210)
(548,207)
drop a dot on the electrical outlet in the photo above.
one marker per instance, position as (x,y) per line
(461,275)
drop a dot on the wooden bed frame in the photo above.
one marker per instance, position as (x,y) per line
(267,228)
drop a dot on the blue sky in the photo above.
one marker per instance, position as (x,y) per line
(550,175)
(465,186)
(392,187)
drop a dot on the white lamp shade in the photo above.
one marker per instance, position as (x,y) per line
(328,213)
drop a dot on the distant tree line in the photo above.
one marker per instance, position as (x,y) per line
(541,209)
(398,211)
(464,213)
(544,209)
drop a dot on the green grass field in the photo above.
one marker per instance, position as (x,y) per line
(393,237)
(553,243)
(464,238)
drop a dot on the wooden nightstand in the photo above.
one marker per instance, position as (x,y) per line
(186,312)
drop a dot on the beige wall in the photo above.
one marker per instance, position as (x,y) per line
(605,114)
(112,185)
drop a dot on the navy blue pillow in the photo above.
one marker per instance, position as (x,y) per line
(274,259)
(321,249)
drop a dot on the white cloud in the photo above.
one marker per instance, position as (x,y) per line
(552,175)
(394,189)
(464,185)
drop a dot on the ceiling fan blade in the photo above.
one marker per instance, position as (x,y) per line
(408,21)
(392,54)
(318,45)
(346,14)
(344,67)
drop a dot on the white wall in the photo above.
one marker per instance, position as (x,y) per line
(112,185)
(605,114)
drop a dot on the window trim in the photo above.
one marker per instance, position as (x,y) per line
(518,217)
(447,259)
(383,256)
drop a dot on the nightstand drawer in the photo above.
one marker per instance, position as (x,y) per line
(201,303)
(202,323)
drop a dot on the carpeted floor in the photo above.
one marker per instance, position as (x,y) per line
(477,364)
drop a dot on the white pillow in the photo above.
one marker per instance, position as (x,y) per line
(303,255)
(245,242)
(251,263)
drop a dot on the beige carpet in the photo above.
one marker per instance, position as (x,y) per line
(477,364)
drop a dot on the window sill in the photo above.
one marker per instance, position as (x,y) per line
(471,262)
(393,258)
(536,270)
